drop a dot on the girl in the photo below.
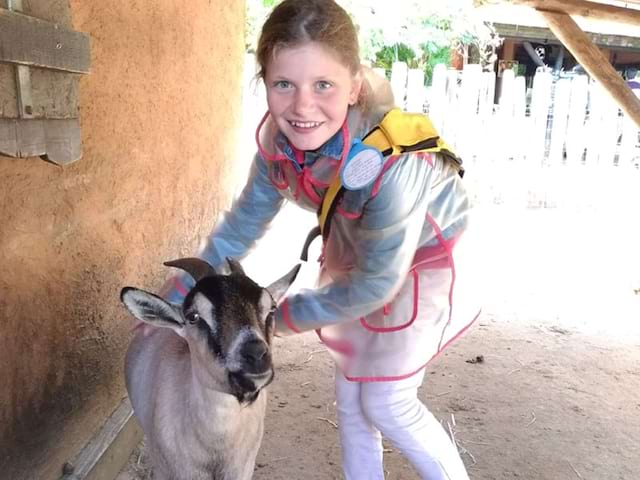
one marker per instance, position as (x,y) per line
(394,260)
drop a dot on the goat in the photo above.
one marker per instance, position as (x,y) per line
(198,394)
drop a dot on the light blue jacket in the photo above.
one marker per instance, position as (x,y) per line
(374,235)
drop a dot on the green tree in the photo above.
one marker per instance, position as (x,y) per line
(257,12)
(421,35)
(404,30)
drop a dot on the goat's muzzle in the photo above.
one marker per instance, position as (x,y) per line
(247,386)
(255,357)
(254,369)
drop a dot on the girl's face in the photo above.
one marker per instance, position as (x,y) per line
(308,93)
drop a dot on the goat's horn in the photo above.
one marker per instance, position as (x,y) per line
(234,266)
(196,267)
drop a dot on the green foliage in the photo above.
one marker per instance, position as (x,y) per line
(257,12)
(430,55)
(436,55)
(398,52)
(422,34)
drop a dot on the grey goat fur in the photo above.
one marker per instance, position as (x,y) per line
(196,383)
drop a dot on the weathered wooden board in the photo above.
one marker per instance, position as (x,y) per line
(56,11)
(8,98)
(30,41)
(54,94)
(58,141)
(37,37)
(108,451)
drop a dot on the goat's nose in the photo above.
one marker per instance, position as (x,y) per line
(255,353)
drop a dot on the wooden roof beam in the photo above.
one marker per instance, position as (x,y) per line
(581,8)
(594,62)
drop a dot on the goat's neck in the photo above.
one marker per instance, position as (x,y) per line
(235,428)
(210,398)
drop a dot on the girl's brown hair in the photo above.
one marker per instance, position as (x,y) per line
(294,22)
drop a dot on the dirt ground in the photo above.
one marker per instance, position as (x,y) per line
(546,385)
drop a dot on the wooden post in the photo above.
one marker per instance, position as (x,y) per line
(438,98)
(508,49)
(561,97)
(399,83)
(628,142)
(468,121)
(576,139)
(601,128)
(594,61)
(507,147)
(538,116)
(415,90)
(487,94)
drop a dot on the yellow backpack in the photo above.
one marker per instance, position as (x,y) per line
(398,132)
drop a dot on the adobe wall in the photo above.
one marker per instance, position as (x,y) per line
(159,112)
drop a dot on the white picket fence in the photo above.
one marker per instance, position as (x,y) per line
(564,119)
(562,143)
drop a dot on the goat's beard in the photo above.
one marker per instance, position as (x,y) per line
(244,388)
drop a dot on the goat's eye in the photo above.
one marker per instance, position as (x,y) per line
(193,317)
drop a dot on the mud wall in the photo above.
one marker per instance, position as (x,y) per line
(160,112)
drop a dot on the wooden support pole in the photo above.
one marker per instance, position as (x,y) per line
(508,49)
(594,62)
(581,8)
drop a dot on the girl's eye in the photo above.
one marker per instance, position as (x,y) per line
(323,85)
(282,84)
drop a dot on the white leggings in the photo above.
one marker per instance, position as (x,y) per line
(368,410)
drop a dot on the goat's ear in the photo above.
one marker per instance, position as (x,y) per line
(278,288)
(234,266)
(151,309)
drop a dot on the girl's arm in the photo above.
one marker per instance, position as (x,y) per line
(385,240)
